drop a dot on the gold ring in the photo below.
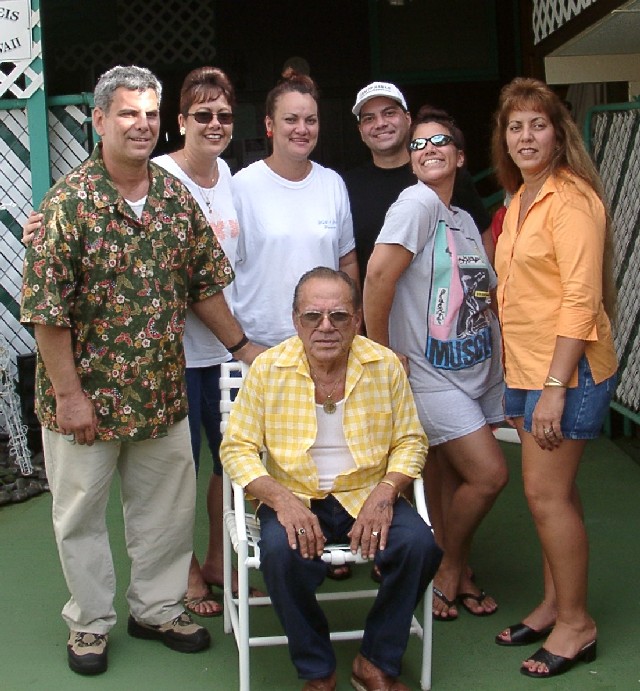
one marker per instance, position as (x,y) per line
(301,531)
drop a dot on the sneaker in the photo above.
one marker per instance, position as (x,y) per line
(181,634)
(87,652)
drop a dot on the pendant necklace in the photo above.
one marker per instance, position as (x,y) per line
(329,405)
(206,198)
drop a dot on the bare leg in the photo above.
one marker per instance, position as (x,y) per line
(212,566)
(478,461)
(433,487)
(549,481)
(198,599)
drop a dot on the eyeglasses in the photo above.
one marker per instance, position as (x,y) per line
(204,117)
(437,140)
(337,318)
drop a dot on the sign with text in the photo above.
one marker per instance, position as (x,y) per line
(15,30)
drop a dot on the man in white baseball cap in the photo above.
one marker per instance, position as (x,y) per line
(384,121)
(375,89)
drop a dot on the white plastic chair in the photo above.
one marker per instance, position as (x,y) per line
(241,534)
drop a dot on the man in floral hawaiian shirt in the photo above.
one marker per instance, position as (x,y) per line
(122,250)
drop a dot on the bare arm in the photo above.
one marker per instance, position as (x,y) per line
(302,526)
(349,264)
(215,314)
(387,264)
(548,411)
(75,413)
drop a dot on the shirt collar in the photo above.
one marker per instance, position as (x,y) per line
(362,352)
(105,193)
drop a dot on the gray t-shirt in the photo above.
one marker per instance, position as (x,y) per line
(440,318)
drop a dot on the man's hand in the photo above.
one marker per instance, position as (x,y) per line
(302,526)
(76,415)
(371,529)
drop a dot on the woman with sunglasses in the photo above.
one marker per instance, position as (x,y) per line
(555,295)
(427,295)
(294,215)
(205,119)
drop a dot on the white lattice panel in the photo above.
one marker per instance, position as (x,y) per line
(550,15)
(65,149)
(18,79)
(67,135)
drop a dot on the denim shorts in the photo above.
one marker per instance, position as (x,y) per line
(585,407)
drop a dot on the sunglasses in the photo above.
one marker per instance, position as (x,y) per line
(337,318)
(437,140)
(204,117)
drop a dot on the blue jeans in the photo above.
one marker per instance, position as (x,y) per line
(203,395)
(585,407)
(407,565)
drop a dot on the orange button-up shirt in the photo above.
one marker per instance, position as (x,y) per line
(550,282)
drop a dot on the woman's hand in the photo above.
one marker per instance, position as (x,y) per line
(31,226)
(545,424)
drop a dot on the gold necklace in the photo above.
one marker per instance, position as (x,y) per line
(207,199)
(329,405)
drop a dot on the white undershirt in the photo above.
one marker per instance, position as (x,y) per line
(137,207)
(330,452)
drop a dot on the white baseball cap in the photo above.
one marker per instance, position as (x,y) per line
(378,89)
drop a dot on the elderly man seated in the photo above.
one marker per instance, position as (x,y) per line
(335,414)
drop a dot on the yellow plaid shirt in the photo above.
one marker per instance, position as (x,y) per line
(275,410)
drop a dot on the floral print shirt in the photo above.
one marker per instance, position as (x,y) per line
(122,286)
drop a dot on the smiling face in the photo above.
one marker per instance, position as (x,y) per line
(436,166)
(531,142)
(294,125)
(129,130)
(210,138)
(326,343)
(384,126)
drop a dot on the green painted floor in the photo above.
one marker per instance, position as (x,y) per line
(505,558)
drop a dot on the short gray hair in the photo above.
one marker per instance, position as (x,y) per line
(131,77)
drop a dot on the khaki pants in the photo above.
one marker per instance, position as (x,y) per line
(158,497)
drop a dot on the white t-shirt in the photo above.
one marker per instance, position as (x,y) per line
(288,228)
(201,347)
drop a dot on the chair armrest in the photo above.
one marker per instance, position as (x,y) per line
(420,501)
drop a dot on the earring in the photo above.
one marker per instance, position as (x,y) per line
(269,134)
(183,131)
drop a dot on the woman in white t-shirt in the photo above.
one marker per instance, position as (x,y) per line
(207,98)
(294,215)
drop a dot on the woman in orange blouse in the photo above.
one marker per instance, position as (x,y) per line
(555,297)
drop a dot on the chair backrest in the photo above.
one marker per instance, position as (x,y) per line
(231,376)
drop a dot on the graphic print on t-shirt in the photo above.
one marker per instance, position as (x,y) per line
(458,333)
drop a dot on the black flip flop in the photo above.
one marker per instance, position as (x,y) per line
(449,603)
(479,599)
